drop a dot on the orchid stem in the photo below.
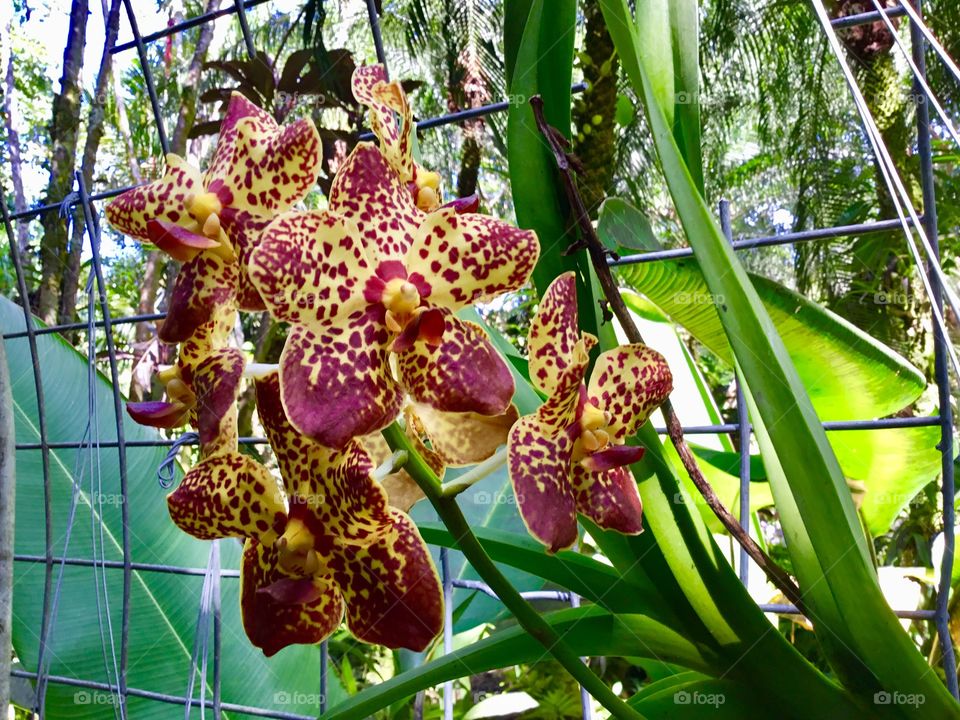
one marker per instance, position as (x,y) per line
(598,258)
(475,475)
(526,615)
(390,465)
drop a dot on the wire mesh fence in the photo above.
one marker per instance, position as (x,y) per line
(100,324)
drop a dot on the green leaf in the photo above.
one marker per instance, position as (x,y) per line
(848,374)
(894,464)
(590,631)
(570,570)
(544,62)
(655,50)
(621,226)
(163,606)
(689,695)
(685,34)
(852,618)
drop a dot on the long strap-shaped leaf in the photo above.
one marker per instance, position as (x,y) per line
(843,591)
(589,630)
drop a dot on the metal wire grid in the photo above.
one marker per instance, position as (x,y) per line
(742,427)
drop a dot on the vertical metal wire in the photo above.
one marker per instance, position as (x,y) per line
(324,666)
(941,368)
(216,600)
(147,76)
(743,430)
(245,29)
(44,444)
(93,233)
(447,628)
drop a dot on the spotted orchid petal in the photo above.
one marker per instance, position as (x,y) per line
(239,109)
(629,383)
(164,199)
(331,492)
(339,387)
(259,166)
(159,414)
(539,462)
(609,498)
(554,334)
(228,495)
(468,204)
(469,258)
(369,192)
(391,589)
(386,101)
(540,459)
(178,242)
(244,230)
(207,338)
(464,373)
(465,438)
(272,624)
(310,268)
(216,385)
(205,286)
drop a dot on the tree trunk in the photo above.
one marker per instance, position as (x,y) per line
(191,85)
(469,163)
(123,127)
(594,113)
(88,164)
(7,493)
(13,147)
(64,130)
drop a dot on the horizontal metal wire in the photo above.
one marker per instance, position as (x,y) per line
(781,609)
(558,595)
(185,25)
(766,241)
(83,326)
(673,253)
(163,697)
(878,424)
(719,429)
(50,207)
(866,18)
(159,442)
(434,122)
(470,114)
(118,564)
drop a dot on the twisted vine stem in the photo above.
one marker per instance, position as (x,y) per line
(529,619)
(590,241)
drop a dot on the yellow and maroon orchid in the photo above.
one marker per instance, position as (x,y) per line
(226,494)
(388,104)
(570,456)
(351,304)
(343,551)
(178,408)
(210,221)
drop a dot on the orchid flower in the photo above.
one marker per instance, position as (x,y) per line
(226,494)
(179,407)
(570,456)
(210,221)
(350,304)
(387,101)
(343,551)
